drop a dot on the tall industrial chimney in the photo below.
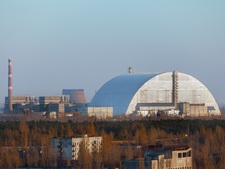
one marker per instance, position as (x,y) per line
(10,85)
(175,88)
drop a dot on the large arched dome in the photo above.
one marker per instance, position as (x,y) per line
(127,93)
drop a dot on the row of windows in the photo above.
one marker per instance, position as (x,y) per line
(183,155)
(94,148)
(89,142)
(180,168)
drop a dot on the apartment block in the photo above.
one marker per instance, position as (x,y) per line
(68,148)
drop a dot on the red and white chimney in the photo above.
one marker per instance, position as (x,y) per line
(10,85)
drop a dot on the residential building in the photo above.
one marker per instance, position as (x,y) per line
(171,157)
(159,157)
(68,148)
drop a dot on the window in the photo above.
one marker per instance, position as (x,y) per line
(189,153)
(184,154)
(179,155)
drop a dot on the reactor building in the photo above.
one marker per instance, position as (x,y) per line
(173,93)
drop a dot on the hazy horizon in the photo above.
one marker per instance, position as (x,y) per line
(82,44)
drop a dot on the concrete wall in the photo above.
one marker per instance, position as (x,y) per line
(100,112)
(193,109)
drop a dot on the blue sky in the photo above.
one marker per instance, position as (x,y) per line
(59,44)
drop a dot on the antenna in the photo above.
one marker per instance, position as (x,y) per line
(130,70)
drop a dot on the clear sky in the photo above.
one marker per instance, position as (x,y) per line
(56,44)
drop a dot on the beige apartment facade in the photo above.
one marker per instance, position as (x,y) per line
(68,148)
(178,158)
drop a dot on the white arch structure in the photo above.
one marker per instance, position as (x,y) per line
(125,92)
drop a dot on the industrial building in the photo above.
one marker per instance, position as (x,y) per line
(170,93)
(148,94)
(72,100)
(68,148)
(19,100)
(76,96)
(44,106)
(19,103)
(53,103)
(100,112)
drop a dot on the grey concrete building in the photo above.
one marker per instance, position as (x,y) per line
(46,100)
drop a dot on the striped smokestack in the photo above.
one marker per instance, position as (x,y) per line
(10,85)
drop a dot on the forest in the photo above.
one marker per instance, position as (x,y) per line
(27,143)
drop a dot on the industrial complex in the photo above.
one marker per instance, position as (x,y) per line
(170,93)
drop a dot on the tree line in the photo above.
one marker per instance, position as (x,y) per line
(27,144)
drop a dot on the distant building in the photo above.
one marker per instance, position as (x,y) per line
(179,157)
(100,112)
(170,157)
(194,109)
(68,148)
(81,108)
(19,103)
(76,96)
(149,93)
(56,107)
(46,100)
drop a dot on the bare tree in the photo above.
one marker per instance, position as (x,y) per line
(84,158)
